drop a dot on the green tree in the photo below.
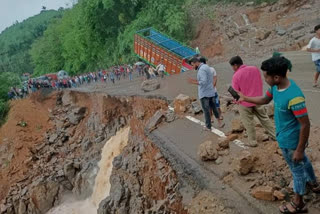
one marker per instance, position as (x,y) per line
(8,80)
(15,41)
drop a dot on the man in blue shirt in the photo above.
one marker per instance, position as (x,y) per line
(206,91)
(292,127)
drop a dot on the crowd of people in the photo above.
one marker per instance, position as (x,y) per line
(292,124)
(111,75)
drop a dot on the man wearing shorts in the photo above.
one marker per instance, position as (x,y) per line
(314,48)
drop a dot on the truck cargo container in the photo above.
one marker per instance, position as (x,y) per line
(151,46)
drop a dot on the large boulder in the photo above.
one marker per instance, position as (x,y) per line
(67,98)
(69,171)
(154,121)
(181,103)
(43,196)
(150,85)
(207,151)
(237,125)
(245,163)
(223,143)
(77,115)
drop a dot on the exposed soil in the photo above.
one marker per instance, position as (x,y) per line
(253,31)
(17,142)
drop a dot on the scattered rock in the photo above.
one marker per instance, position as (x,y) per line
(196,108)
(232,137)
(263,193)
(262,137)
(117,162)
(223,143)
(237,125)
(219,161)
(150,85)
(69,171)
(181,103)
(77,115)
(250,3)
(99,139)
(43,196)
(139,113)
(170,116)
(53,138)
(243,29)
(262,35)
(306,6)
(67,98)
(207,151)
(296,28)
(264,4)
(154,121)
(280,31)
(279,195)
(245,163)
(86,145)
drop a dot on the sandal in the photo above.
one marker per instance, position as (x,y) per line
(314,187)
(297,209)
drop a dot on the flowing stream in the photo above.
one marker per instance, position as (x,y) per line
(101,189)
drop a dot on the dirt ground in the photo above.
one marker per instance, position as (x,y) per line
(18,141)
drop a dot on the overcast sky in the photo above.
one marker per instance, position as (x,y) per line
(12,10)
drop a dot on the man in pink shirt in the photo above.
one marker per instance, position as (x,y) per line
(248,81)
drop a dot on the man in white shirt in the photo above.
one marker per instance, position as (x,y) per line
(160,68)
(314,48)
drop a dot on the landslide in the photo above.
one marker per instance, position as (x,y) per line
(52,144)
(224,30)
(17,141)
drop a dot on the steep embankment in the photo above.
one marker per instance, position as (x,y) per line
(56,148)
(254,31)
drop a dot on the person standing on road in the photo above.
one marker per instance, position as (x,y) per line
(160,68)
(112,77)
(206,90)
(314,48)
(215,80)
(248,81)
(129,71)
(146,71)
(293,128)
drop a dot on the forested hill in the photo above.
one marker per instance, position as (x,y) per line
(16,41)
(99,33)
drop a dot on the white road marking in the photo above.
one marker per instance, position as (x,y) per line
(308,90)
(216,131)
(213,130)
(240,144)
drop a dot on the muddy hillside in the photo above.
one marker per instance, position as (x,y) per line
(254,30)
(76,152)
(52,144)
